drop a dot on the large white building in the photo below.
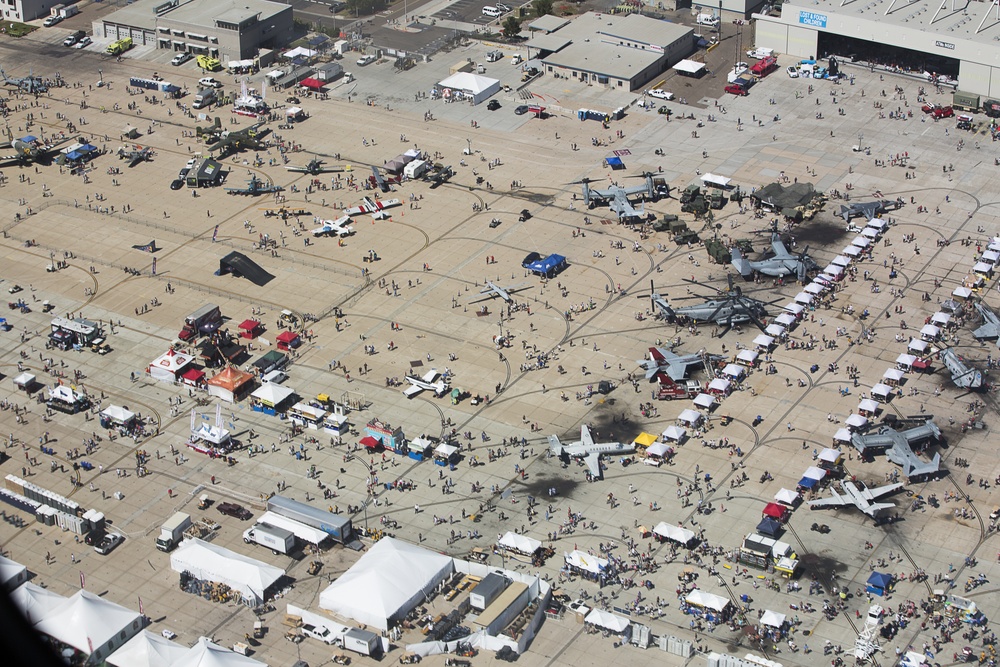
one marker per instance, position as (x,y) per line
(224,29)
(28,10)
(957,38)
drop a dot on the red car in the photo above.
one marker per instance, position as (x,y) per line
(929,107)
(943,112)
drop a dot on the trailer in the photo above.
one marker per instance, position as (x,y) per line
(278,540)
(336,526)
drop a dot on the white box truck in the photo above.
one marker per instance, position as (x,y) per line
(172,531)
(278,540)
(362,641)
(205,97)
(415,169)
(66,12)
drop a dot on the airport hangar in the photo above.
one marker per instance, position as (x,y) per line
(227,30)
(613,51)
(960,39)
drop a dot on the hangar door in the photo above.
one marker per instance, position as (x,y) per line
(772,35)
(802,42)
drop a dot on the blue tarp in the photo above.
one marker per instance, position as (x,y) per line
(317,40)
(29,139)
(614,162)
(769,527)
(544,266)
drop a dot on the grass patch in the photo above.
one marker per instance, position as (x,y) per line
(15,29)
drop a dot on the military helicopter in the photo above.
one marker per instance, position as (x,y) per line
(314,168)
(729,308)
(255,186)
(617,197)
(28,84)
(782,263)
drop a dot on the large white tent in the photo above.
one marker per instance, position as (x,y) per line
(36,602)
(147,649)
(208,654)
(584,561)
(700,598)
(209,562)
(12,574)
(672,532)
(469,85)
(522,543)
(90,624)
(606,619)
(386,583)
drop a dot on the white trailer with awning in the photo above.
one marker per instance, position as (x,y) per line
(307,534)
(716,181)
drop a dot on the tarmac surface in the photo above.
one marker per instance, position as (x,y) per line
(438,251)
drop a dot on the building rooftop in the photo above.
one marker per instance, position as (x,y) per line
(633,28)
(978,22)
(547,23)
(194,12)
(603,58)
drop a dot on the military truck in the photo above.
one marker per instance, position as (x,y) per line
(682,233)
(717,251)
(690,193)
(716,200)
(663,224)
(697,205)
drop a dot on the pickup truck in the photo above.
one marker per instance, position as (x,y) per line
(741,86)
(322,634)
(234,510)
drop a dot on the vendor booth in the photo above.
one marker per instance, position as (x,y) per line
(690,418)
(582,563)
(719,386)
(716,606)
(930,333)
(842,435)
(882,393)
(657,453)
(515,544)
(664,532)
(851,251)
(763,342)
(230,384)
(795,309)
(674,434)
(271,398)
(769,527)
(288,340)
(772,619)
(445,454)
(788,497)
(306,416)
(904,362)
(734,372)
(250,329)
(856,423)
(747,358)
(642,441)
(68,400)
(607,621)
(705,402)
(893,376)
(775,511)
(868,407)
(879,583)
(116,417)
(841,260)
(169,366)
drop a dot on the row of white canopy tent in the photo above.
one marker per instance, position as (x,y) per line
(584,561)
(675,533)
(147,649)
(520,543)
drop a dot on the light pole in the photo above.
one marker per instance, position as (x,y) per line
(100,81)
(468,151)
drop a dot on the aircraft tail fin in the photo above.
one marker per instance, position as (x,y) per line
(741,263)
(875,508)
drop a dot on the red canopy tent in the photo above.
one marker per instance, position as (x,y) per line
(251,329)
(288,339)
(193,377)
(370,442)
(313,83)
(776,511)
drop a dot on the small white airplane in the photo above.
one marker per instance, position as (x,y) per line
(492,290)
(374,206)
(338,227)
(430,382)
(859,496)
(588,450)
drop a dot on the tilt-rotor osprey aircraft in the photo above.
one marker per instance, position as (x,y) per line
(782,263)
(618,200)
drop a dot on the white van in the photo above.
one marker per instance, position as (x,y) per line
(707,19)
(492,12)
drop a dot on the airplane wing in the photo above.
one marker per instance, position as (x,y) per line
(440,388)
(778,246)
(593,462)
(875,508)
(554,445)
(430,375)
(987,331)
(835,500)
(873,494)
(739,262)
(326,228)
(661,355)
(586,439)
(412,391)
(300,170)
(676,371)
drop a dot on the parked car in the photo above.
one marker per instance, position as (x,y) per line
(71,40)
(181,58)
(660,94)
(493,105)
(176,184)
(51,21)
(366,60)
(209,82)
(929,107)
(521,110)
(84,42)
(943,112)
(108,544)
(235,510)
(793,72)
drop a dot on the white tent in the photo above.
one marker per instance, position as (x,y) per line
(672,532)
(12,574)
(521,543)
(169,366)
(748,357)
(814,288)
(941,319)
(775,330)
(715,180)
(991,256)
(984,268)
(962,292)
(657,449)
(787,497)
(704,401)
(876,223)
(720,385)
(860,242)
(851,251)
(209,562)
(386,583)
(117,415)
(299,51)
(606,619)
(812,472)
(272,393)
(147,649)
(904,361)
(894,374)
(867,405)
(689,67)
(856,421)
(840,260)
(36,602)
(674,433)
(842,435)
(479,88)
(772,618)
(834,270)
(917,346)
(734,371)
(881,391)
(207,654)
(804,298)
(763,341)
(584,561)
(689,417)
(700,598)
(930,332)
(794,308)
(785,319)
(829,455)
(90,624)
(870,233)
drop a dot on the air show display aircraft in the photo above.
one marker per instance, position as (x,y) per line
(31,149)
(731,307)
(31,84)
(859,496)
(430,381)
(376,207)
(585,448)
(314,167)
(675,366)
(339,227)
(618,199)
(136,155)
(492,291)
(783,263)
(990,329)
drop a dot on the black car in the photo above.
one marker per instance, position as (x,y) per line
(521,110)
(235,510)
(176,184)
(493,105)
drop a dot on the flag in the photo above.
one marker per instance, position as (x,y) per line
(154,266)
(141,612)
(83,579)
(215,234)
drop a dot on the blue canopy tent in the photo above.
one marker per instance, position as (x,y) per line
(614,162)
(807,483)
(879,583)
(544,266)
(769,527)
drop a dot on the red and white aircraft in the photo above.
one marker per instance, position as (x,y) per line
(338,227)
(376,207)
